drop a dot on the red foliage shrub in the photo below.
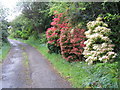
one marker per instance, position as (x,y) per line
(62,38)
(53,34)
(72,43)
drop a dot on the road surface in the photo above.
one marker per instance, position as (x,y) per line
(25,67)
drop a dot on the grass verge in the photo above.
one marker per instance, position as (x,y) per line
(81,75)
(4,51)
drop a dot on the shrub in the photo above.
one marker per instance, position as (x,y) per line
(43,38)
(98,45)
(52,37)
(113,21)
(3,31)
(53,34)
(72,43)
(62,38)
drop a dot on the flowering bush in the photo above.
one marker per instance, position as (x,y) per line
(72,43)
(98,45)
(53,34)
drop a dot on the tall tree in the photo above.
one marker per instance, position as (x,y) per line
(3,25)
(37,13)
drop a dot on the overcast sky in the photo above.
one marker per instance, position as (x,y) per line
(13,11)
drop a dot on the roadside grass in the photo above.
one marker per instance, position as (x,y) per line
(4,51)
(79,74)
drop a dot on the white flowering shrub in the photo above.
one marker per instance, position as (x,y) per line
(98,45)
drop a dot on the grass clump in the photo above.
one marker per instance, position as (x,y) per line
(25,61)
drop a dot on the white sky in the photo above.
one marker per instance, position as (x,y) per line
(11,4)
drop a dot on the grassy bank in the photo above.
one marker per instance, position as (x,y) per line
(4,51)
(79,74)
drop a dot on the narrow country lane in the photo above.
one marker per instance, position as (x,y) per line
(14,70)
(25,67)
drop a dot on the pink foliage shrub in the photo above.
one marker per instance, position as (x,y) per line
(72,43)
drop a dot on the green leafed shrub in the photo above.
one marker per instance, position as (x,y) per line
(3,31)
(113,20)
(43,38)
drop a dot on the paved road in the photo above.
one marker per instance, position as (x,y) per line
(25,67)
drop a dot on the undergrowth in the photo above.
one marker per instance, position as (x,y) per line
(4,51)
